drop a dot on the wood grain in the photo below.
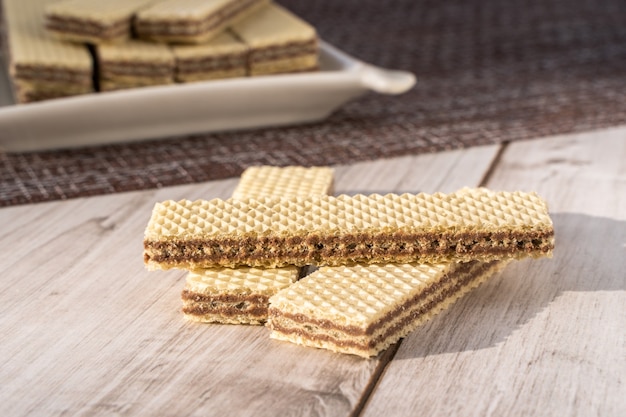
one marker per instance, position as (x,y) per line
(87,330)
(546,337)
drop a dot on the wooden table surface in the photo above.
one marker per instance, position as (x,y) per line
(87,330)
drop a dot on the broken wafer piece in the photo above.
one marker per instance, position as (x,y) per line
(240,295)
(191,21)
(233,295)
(473,224)
(363,309)
(279,42)
(222,57)
(40,67)
(134,63)
(92,21)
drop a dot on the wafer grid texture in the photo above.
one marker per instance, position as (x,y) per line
(356,295)
(328,230)
(362,310)
(241,295)
(291,181)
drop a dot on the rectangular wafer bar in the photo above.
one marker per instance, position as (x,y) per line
(279,42)
(134,63)
(224,56)
(363,309)
(92,21)
(240,295)
(191,21)
(41,67)
(471,224)
(233,295)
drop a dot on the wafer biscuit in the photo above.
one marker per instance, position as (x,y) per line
(240,295)
(191,21)
(279,42)
(472,224)
(363,309)
(289,181)
(134,63)
(41,67)
(233,295)
(222,57)
(92,21)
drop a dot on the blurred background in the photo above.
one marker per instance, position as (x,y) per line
(488,71)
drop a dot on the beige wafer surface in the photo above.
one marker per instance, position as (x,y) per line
(324,230)
(357,295)
(91,20)
(193,21)
(290,181)
(279,42)
(273,25)
(244,280)
(363,309)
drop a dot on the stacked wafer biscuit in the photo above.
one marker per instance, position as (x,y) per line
(41,67)
(241,295)
(67,47)
(388,263)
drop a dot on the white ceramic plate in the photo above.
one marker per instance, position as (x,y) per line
(165,111)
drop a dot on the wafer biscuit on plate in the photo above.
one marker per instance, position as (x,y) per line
(472,224)
(363,309)
(191,21)
(92,21)
(279,42)
(40,67)
(240,295)
(222,57)
(134,63)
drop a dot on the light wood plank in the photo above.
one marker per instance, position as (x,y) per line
(87,330)
(546,337)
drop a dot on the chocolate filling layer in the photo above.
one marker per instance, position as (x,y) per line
(284,51)
(226,305)
(320,249)
(217,63)
(87,27)
(112,69)
(196,297)
(53,73)
(227,310)
(448,286)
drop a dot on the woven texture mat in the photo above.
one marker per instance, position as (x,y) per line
(488,71)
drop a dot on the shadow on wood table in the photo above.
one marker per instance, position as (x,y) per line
(590,256)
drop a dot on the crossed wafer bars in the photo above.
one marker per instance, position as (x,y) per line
(241,295)
(395,260)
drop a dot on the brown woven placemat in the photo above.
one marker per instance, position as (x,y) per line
(488,71)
